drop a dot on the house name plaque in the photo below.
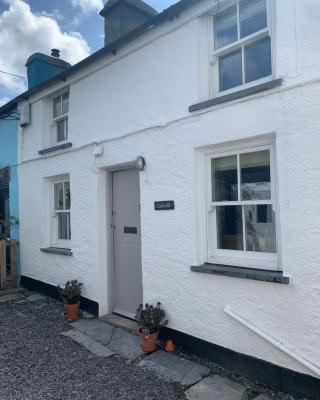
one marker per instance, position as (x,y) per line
(164,205)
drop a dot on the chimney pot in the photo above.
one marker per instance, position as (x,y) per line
(55,53)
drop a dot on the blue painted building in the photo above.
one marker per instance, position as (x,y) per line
(9,198)
(40,68)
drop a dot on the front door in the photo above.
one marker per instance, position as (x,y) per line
(127,242)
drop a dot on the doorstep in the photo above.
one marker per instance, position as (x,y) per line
(121,322)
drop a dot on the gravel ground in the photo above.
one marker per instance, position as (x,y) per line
(37,363)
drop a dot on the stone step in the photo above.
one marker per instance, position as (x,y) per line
(90,344)
(216,388)
(174,369)
(121,322)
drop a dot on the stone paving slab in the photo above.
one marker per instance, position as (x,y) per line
(90,344)
(216,388)
(175,369)
(262,397)
(121,322)
(125,344)
(11,290)
(10,297)
(35,297)
(97,330)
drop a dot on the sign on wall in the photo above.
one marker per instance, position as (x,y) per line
(164,205)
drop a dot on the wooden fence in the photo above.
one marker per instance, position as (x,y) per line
(4,244)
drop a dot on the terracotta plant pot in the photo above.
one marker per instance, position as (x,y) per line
(148,341)
(71,311)
(170,346)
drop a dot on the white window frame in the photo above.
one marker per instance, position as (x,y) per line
(240,43)
(55,241)
(62,117)
(241,258)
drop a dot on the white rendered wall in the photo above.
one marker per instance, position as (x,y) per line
(140,106)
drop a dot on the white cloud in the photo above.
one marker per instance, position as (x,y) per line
(55,14)
(88,6)
(23,33)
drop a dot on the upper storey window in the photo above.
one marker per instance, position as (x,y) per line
(242,45)
(60,105)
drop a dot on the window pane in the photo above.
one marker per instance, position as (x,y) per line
(229,228)
(67,195)
(230,70)
(260,228)
(58,196)
(225,27)
(224,179)
(255,176)
(65,103)
(258,60)
(69,227)
(253,16)
(57,107)
(61,130)
(63,230)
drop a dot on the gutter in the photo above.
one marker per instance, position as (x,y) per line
(168,14)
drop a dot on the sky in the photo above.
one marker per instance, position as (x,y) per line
(28,26)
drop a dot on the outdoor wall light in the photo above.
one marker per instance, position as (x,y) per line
(98,149)
(140,163)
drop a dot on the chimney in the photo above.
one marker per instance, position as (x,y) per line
(41,67)
(122,16)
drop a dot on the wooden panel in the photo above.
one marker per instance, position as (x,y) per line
(13,263)
(3,268)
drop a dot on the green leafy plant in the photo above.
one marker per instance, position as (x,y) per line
(151,318)
(71,292)
(5,226)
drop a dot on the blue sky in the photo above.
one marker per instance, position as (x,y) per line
(28,26)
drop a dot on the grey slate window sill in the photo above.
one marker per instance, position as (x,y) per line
(57,250)
(55,148)
(242,273)
(236,95)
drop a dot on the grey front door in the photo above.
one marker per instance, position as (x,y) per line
(127,242)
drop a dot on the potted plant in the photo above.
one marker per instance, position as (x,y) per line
(71,298)
(151,319)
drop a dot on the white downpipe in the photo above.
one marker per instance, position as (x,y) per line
(275,342)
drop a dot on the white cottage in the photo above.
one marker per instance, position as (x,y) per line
(180,163)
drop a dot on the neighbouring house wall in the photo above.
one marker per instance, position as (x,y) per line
(139,106)
(9,158)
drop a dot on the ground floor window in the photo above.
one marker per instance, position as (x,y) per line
(61,226)
(242,209)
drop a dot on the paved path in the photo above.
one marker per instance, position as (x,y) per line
(42,356)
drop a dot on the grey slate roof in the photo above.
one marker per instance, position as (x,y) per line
(168,14)
(141,5)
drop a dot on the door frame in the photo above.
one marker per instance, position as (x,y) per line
(108,262)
